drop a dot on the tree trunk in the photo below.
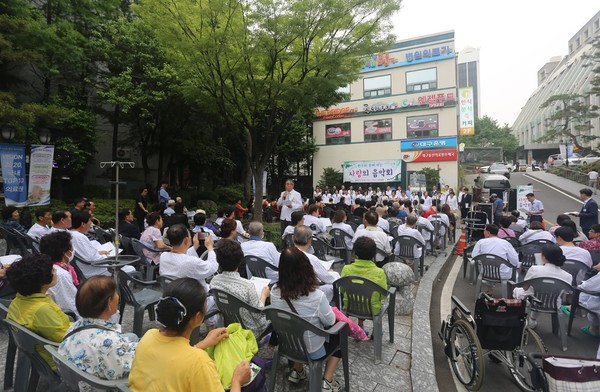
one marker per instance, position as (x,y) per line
(258,172)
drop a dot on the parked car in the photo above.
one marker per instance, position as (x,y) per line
(484,169)
(589,159)
(500,168)
(574,160)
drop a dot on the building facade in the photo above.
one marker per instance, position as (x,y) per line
(401,117)
(570,74)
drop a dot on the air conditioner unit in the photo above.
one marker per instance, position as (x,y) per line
(123,153)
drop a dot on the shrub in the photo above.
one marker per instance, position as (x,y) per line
(229,194)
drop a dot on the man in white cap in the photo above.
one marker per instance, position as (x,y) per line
(169,210)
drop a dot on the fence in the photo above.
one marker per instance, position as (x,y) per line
(570,174)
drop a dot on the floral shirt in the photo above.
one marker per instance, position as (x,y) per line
(149,236)
(105,354)
(593,244)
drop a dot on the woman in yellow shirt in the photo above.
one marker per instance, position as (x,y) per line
(31,277)
(164,360)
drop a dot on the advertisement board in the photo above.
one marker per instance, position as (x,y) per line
(12,159)
(465,107)
(522,202)
(337,130)
(430,155)
(372,171)
(378,126)
(448,142)
(40,175)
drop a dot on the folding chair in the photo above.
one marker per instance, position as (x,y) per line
(322,250)
(513,241)
(30,364)
(339,238)
(540,242)
(550,291)
(290,329)
(488,266)
(257,266)
(140,300)
(71,375)
(576,268)
(164,280)
(575,305)
(11,350)
(234,310)
(406,246)
(147,265)
(354,295)
(527,255)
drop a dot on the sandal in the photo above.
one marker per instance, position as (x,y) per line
(565,309)
(588,331)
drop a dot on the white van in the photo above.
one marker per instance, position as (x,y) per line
(494,183)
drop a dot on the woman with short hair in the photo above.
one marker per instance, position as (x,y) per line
(94,343)
(165,361)
(10,214)
(339,222)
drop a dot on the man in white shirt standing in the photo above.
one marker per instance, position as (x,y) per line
(593,176)
(263,249)
(536,209)
(499,247)
(289,201)
(41,227)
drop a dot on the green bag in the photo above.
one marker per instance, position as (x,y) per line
(228,353)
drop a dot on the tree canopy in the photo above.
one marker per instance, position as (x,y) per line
(263,63)
(488,133)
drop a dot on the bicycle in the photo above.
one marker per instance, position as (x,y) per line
(498,326)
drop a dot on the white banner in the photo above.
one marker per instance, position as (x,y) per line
(40,175)
(373,171)
(522,191)
(467,113)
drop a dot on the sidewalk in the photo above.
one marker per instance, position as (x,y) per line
(567,186)
(407,364)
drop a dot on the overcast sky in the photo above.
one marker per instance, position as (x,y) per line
(515,38)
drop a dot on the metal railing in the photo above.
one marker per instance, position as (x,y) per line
(570,174)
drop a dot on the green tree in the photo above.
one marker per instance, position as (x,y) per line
(489,134)
(570,120)
(261,63)
(331,177)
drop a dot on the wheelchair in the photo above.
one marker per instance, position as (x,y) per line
(498,330)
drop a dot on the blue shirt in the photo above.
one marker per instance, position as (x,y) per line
(536,205)
(498,204)
(163,196)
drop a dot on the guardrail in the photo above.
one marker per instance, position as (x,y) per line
(570,174)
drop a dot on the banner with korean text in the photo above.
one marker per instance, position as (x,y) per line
(434,143)
(12,160)
(373,171)
(467,116)
(430,155)
(40,175)
(522,202)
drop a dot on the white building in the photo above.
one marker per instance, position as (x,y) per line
(402,113)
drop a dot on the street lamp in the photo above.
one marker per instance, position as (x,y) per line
(566,143)
(45,135)
(8,131)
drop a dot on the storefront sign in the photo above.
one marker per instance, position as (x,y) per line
(395,59)
(378,126)
(430,155)
(331,114)
(372,171)
(40,175)
(467,117)
(12,159)
(337,130)
(386,107)
(428,144)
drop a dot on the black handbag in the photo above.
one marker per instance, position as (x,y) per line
(500,323)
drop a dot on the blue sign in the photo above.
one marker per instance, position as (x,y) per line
(436,143)
(12,160)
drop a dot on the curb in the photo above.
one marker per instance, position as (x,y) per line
(550,184)
(422,370)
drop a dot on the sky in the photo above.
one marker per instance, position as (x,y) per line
(515,39)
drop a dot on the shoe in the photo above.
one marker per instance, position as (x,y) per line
(296,376)
(332,386)
(588,331)
(565,309)
(531,323)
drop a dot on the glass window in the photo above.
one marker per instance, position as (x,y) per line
(422,126)
(378,86)
(337,133)
(421,80)
(377,130)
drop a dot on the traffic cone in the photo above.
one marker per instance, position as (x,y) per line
(462,244)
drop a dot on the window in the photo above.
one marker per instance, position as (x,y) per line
(597,24)
(422,126)
(378,86)
(377,130)
(344,90)
(421,80)
(337,133)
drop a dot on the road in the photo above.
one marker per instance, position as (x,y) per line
(497,377)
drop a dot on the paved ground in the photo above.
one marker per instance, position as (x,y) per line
(397,368)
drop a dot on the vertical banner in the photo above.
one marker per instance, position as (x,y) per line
(12,160)
(522,202)
(40,175)
(467,117)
